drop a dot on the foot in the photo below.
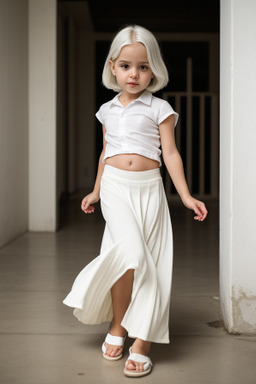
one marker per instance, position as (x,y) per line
(141,347)
(115,350)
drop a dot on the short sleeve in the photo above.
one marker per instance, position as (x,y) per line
(166,111)
(99,115)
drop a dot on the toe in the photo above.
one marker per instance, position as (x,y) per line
(112,350)
(134,366)
(130,365)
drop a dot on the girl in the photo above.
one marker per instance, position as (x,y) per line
(129,283)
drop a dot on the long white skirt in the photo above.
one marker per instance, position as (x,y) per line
(138,235)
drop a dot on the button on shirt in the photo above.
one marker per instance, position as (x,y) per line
(134,128)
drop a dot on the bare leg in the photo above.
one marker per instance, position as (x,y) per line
(121,297)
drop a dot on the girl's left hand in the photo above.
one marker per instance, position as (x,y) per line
(197,206)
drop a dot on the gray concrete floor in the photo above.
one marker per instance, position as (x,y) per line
(42,342)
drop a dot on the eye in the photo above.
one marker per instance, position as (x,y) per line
(143,67)
(125,66)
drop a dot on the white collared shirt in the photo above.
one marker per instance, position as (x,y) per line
(134,128)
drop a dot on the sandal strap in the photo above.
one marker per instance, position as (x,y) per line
(115,340)
(139,358)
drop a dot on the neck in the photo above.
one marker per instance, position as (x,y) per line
(126,98)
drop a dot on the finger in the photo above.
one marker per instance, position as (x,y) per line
(197,212)
(204,215)
(201,214)
(90,209)
(83,204)
(83,208)
(86,208)
(87,205)
(204,212)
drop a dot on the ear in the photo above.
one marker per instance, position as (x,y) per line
(112,67)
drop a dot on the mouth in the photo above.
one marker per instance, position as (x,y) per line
(132,84)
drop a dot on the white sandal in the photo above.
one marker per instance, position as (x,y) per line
(113,340)
(139,359)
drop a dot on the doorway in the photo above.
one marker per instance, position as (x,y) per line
(191,53)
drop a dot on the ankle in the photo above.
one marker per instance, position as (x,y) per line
(117,330)
(141,346)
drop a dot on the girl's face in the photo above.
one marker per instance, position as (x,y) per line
(131,68)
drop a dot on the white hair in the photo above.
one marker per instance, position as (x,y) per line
(130,35)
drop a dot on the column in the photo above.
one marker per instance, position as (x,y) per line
(238,166)
(42,115)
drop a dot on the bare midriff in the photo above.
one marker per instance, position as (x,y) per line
(132,162)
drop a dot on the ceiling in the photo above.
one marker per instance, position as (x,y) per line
(171,16)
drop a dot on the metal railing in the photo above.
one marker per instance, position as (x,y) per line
(197,137)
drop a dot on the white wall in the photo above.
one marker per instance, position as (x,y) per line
(42,115)
(238,165)
(13,119)
(61,108)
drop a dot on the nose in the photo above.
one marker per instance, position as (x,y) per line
(134,74)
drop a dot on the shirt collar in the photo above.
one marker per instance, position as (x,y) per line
(145,98)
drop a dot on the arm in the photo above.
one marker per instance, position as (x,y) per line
(175,168)
(88,201)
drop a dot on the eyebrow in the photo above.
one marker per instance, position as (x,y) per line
(128,62)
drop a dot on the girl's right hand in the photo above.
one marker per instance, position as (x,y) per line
(87,202)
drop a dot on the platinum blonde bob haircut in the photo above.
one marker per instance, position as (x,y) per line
(131,35)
